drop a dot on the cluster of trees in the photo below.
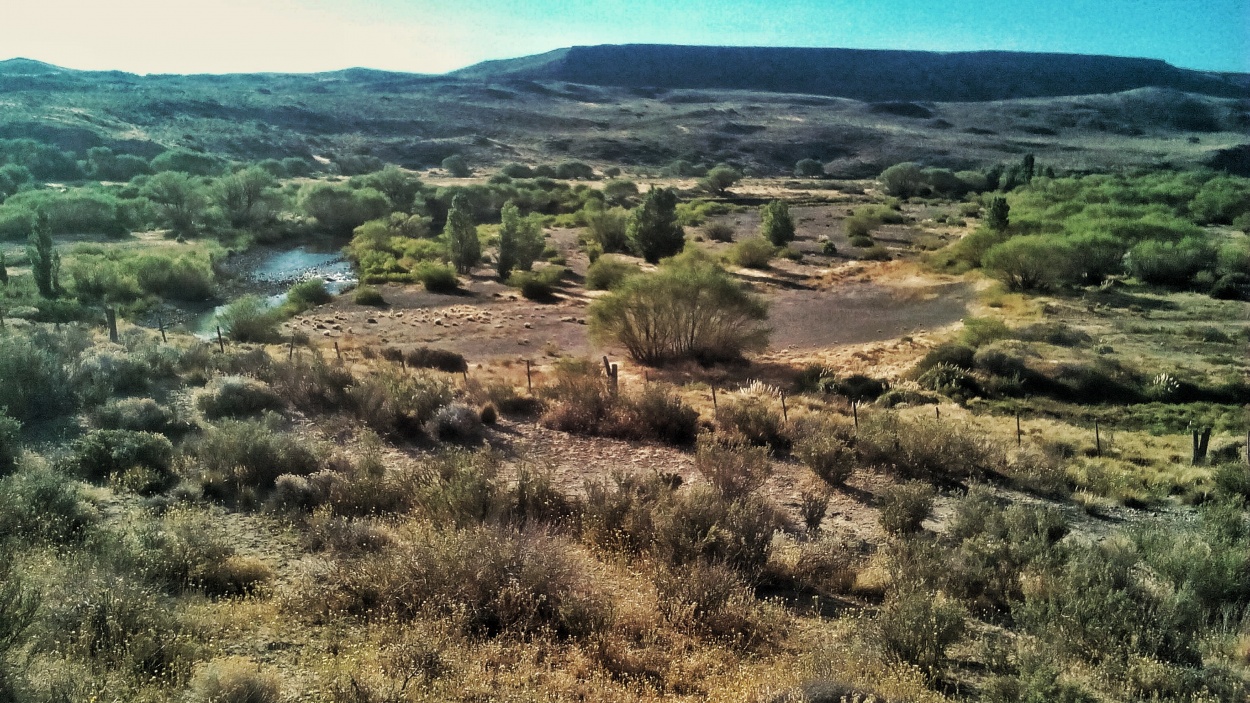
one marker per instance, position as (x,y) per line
(909,179)
(1079,231)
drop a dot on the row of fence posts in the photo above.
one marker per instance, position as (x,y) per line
(1201,437)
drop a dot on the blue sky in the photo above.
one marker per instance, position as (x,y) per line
(220,36)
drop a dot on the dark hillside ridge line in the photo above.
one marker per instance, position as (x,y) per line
(859,74)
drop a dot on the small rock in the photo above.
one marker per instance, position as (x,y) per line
(528,326)
(371,321)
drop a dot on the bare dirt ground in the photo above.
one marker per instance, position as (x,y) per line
(820,302)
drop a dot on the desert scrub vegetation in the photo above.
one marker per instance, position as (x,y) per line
(581,400)
(688,309)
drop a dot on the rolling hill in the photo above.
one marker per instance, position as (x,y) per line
(646,106)
(869,75)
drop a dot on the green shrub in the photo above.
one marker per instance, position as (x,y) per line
(734,469)
(754,419)
(1233,480)
(608,272)
(983,330)
(715,601)
(1030,262)
(776,224)
(538,285)
(1097,608)
(136,415)
(828,456)
(42,507)
(239,455)
(437,278)
(918,627)
(609,228)
(10,443)
(754,253)
(859,388)
(235,680)
(139,461)
(656,413)
(308,294)
(34,383)
(700,524)
(520,583)
(927,447)
(903,180)
(455,422)
(399,404)
(441,359)
(250,319)
(950,354)
(488,415)
(235,396)
(861,240)
(719,232)
(653,230)
(1234,286)
(368,295)
(689,309)
(1171,263)
(905,506)
(582,403)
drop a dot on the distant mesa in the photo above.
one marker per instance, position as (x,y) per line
(879,76)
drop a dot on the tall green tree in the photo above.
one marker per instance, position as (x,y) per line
(45,262)
(244,196)
(998,217)
(399,186)
(456,166)
(719,180)
(461,234)
(653,230)
(776,224)
(178,199)
(520,242)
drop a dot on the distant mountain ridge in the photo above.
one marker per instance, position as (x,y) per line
(859,74)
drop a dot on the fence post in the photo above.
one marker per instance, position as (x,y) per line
(338,354)
(160,325)
(1201,441)
(529,378)
(221,344)
(855,413)
(785,415)
(1097,439)
(1018,433)
(110,318)
(611,370)
(715,407)
(290,352)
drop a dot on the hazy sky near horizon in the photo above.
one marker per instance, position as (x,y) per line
(226,36)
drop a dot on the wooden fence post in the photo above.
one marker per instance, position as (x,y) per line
(290,352)
(1019,435)
(855,413)
(611,370)
(785,415)
(338,354)
(221,344)
(715,407)
(529,378)
(110,318)
(160,325)
(1201,440)
(1097,439)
